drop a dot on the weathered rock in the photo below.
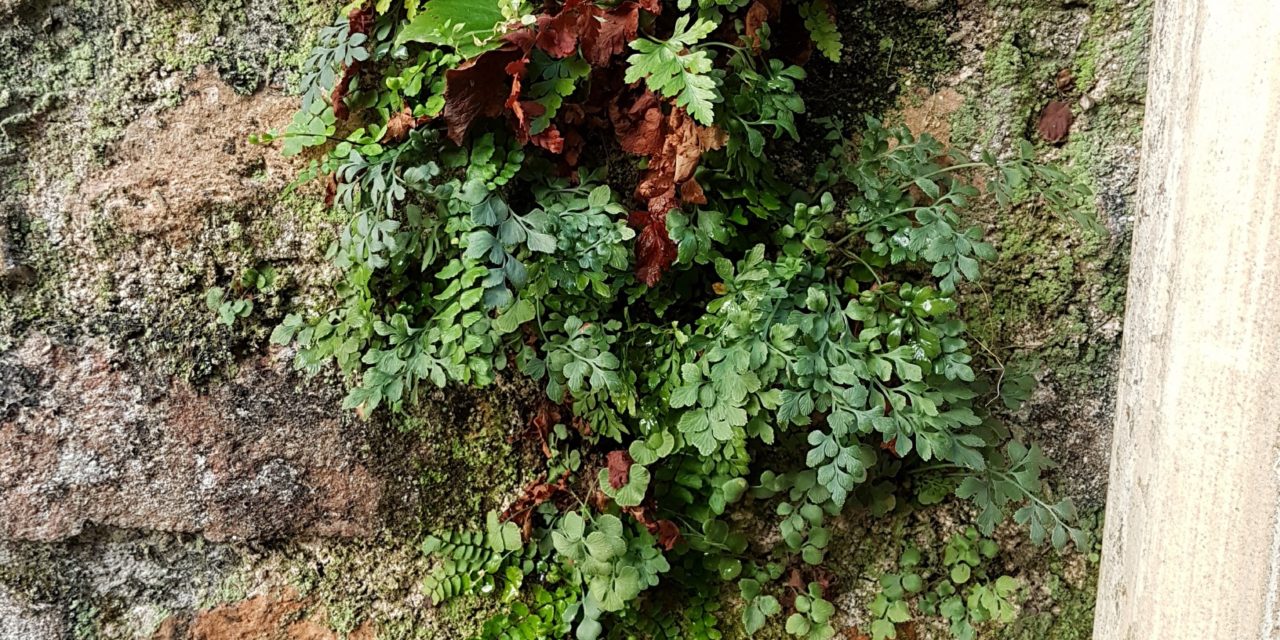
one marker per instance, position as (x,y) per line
(20,620)
(931,113)
(1051,305)
(273,615)
(923,5)
(170,167)
(83,440)
(102,419)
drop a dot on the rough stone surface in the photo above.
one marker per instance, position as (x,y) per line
(1051,305)
(82,441)
(169,167)
(19,620)
(270,615)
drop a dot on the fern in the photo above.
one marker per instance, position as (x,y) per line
(819,20)
(544,616)
(670,69)
(337,47)
(553,81)
(476,561)
(686,347)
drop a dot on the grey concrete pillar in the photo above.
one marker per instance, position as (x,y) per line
(1192,543)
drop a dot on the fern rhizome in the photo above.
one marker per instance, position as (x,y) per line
(582,193)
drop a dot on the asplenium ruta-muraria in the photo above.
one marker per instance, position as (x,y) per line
(570,193)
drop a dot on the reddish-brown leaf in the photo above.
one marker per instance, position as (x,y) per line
(638,123)
(757,15)
(558,34)
(671,166)
(823,577)
(330,189)
(683,143)
(524,38)
(521,110)
(481,88)
(600,501)
(400,124)
(491,83)
(641,513)
(619,468)
(610,32)
(655,252)
(536,493)
(601,34)
(1055,121)
(546,417)
(692,193)
(891,446)
(669,534)
(360,20)
(550,139)
(338,98)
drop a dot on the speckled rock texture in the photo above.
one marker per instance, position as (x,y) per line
(163,476)
(103,419)
(23,621)
(255,457)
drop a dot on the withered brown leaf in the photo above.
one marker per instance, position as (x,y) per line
(757,15)
(481,88)
(619,465)
(1055,122)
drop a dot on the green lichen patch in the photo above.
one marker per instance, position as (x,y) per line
(1054,294)
(119,57)
(1061,607)
(76,76)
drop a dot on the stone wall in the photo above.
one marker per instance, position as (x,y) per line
(164,476)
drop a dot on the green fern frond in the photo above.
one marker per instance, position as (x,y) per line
(819,18)
(671,69)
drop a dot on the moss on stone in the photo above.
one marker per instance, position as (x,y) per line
(1063,610)
(1055,284)
(1053,301)
(465,439)
(107,583)
(1041,296)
